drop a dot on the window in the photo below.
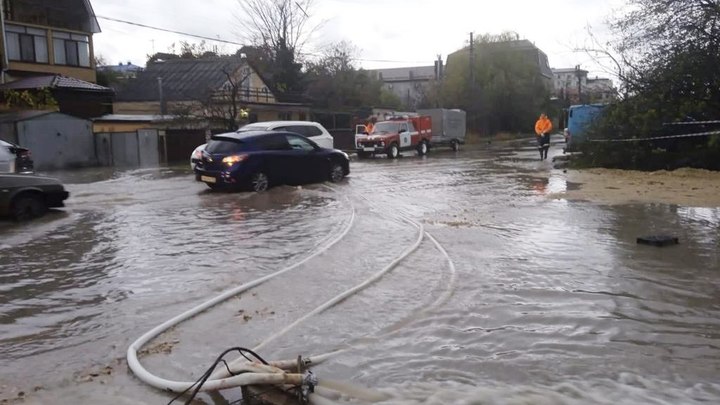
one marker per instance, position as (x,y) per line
(312,130)
(298,143)
(71,49)
(226,146)
(284,116)
(273,142)
(304,130)
(26,44)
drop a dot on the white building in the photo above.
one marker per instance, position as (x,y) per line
(408,83)
(574,86)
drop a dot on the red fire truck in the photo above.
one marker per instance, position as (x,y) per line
(396,134)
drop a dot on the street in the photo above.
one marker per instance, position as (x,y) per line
(552,300)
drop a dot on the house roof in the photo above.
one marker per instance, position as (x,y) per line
(76,15)
(568,70)
(121,68)
(182,79)
(92,19)
(53,82)
(134,118)
(405,73)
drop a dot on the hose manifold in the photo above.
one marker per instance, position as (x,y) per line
(310,381)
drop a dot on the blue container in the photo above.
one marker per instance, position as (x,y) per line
(579,119)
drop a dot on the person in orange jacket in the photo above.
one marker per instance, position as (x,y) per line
(543,126)
(369,127)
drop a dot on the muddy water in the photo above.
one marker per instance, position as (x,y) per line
(554,302)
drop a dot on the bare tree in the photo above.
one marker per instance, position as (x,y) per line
(225,105)
(276,23)
(337,57)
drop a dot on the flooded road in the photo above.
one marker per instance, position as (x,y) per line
(552,300)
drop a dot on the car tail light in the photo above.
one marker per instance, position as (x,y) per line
(231,160)
(197,154)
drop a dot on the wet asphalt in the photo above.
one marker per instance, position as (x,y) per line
(552,300)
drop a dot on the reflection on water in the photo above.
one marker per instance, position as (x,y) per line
(555,302)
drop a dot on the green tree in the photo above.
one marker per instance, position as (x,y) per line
(41,99)
(667,53)
(505,92)
(334,82)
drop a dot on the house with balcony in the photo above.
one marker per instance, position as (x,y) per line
(219,90)
(47,45)
(48,37)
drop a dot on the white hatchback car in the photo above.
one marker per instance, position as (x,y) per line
(309,129)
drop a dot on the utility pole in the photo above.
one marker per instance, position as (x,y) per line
(5,60)
(163,105)
(439,73)
(472,62)
(579,83)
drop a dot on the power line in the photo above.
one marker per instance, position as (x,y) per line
(224,41)
(170,31)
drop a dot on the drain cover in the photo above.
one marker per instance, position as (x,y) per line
(658,240)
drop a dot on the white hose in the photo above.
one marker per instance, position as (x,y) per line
(179,386)
(343,296)
(272,374)
(329,390)
(220,373)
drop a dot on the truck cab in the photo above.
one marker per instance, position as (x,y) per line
(395,135)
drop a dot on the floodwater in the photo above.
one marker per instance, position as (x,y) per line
(552,300)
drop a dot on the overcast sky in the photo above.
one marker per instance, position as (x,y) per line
(409,33)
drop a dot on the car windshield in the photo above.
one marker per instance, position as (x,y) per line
(385,128)
(222,146)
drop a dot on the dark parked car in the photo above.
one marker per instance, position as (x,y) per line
(24,196)
(258,160)
(14,158)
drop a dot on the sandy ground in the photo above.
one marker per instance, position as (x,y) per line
(686,187)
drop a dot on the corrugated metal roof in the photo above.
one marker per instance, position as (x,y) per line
(53,82)
(182,79)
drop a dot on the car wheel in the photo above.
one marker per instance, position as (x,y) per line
(393,152)
(455,146)
(28,206)
(259,182)
(336,172)
(422,148)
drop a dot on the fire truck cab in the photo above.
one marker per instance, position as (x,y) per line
(396,134)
